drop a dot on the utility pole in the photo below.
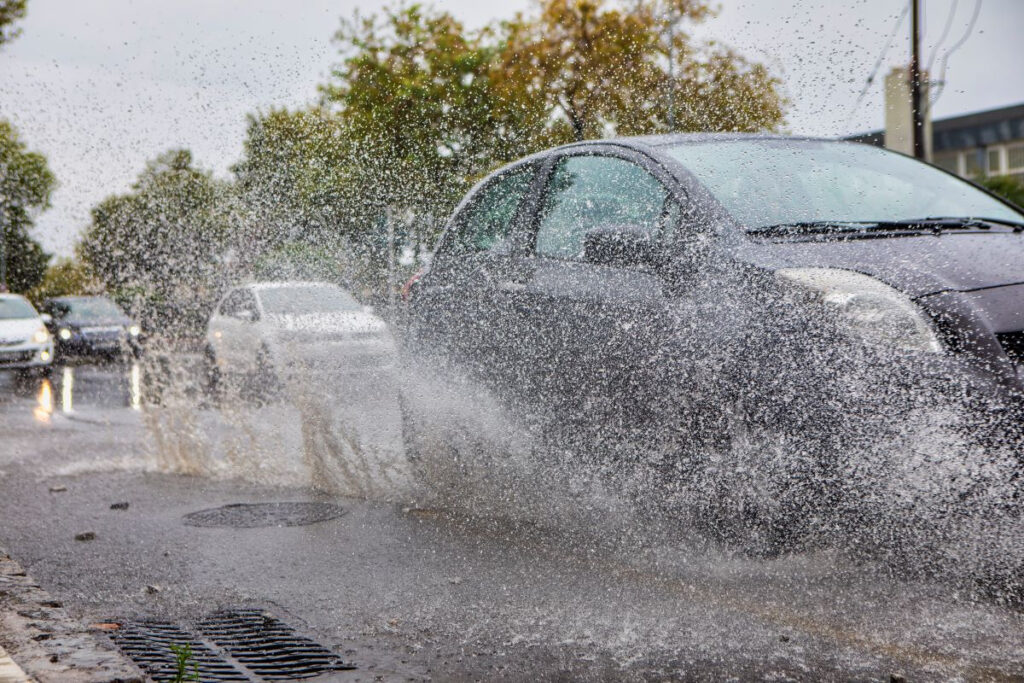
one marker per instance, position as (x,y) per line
(392,301)
(671,75)
(916,108)
(3,247)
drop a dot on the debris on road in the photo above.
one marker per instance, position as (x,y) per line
(119,506)
(46,643)
(60,488)
(86,536)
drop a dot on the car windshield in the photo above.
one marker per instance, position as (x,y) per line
(94,308)
(307,299)
(782,182)
(13,307)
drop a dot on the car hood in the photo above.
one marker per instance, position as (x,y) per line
(918,265)
(340,322)
(19,329)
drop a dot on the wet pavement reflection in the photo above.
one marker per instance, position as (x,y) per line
(71,389)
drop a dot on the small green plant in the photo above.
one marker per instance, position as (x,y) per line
(182,660)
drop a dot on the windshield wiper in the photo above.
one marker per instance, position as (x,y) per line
(811,228)
(979,221)
(934,224)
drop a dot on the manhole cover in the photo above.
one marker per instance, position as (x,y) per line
(251,515)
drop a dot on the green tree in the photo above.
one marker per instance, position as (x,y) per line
(1008,187)
(630,70)
(160,249)
(10,12)
(430,107)
(66,276)
(26,184)
(416,99)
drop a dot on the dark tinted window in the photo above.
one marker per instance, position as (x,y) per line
(588,192)
(98,308)
(236,302)
(485,224)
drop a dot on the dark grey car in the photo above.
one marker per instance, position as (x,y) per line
(687,289)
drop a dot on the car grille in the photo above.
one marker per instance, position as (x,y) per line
(99,334)
(11,342)
(1013,345)
(16,356)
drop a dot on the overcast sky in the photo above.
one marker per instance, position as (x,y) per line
(100,86)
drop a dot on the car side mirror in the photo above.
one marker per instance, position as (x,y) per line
(621,245)
(369,309)
(46,318)
(246,315)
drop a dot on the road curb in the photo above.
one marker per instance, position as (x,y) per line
(44,644)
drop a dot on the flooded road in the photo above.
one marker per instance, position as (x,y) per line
(410,591)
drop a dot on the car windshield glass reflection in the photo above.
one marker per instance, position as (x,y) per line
(97,308)
(781,182)
(312,299)
(13,308)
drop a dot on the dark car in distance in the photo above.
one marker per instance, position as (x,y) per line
(91,327)
(689,286)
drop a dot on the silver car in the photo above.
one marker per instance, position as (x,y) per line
(25,343)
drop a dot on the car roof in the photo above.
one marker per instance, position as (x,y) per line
(11,295)
(670,139)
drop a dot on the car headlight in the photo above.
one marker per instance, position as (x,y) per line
(64,333)
(879,313)
(134,330)
(41,336)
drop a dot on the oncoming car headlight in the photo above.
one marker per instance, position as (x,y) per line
(879,313)
(41,336)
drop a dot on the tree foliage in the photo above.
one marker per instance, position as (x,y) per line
(430,107)
(160,248)
(26,184)
(10,12)
(64,277)
(1008,187)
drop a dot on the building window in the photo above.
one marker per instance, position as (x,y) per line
(949,161)
(1015,158)
(972,164)
(994,160)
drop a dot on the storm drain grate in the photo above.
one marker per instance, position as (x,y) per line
(252,515)
(268,647)
(149,643)
(240,645)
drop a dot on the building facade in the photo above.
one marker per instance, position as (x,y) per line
(985,143)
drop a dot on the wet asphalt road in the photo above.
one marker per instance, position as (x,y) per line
(406,592)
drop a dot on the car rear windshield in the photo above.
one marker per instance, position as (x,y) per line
(306,299)
(781,182)
(12,307)
(97,308)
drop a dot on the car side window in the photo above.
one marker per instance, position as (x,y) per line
(485,224)
(248,304)
(588,192)
(229,307)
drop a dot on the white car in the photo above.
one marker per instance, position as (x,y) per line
(25,343)
(268,329)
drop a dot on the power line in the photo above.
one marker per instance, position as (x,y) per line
(953,48)
(878,64)
(945,34)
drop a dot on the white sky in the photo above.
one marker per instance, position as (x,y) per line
(100,86)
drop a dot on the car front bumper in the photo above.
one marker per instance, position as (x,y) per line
(26,355)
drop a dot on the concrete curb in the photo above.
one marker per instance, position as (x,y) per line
(44,644)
